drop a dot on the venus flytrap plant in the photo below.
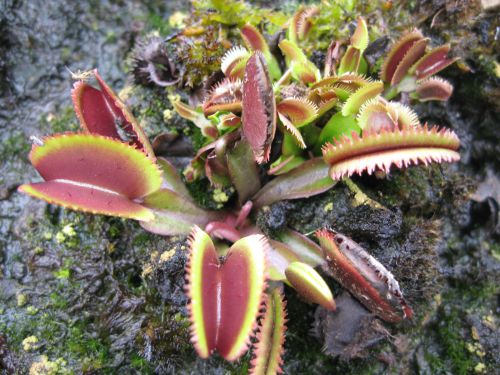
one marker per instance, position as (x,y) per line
(409,66)
(273,136)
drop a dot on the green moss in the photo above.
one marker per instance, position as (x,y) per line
(93,351)
(480,293)
(58,301)
(454,346)
(64,120)
(237,13)
(196,137)
(14,146)
(140,364)
(63,273)
(156,22)
(436,363)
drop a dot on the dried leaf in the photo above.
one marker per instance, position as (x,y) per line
(360,273)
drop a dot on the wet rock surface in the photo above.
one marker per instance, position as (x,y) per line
(102,296)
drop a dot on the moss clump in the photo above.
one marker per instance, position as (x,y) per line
(62,121)
(46,367)
(30,343)
(14,146)
(453,344)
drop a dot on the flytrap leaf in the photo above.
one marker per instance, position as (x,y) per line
(310,285)
(302,68)
(292,247)
(279,257)
(255,41)
(366,278)
(433,62)
(350,62)
(92,173)
(337,128)
(377,114)
(300,111)
(198,118)
(301,23)
(289,129)
(308,179)
(212,157)
(225,294)
(352,80)
(362,95)
(397,53)
(102,112)
(416,51)
(360,38)
(172,179)
(306,250)
(259,108)
(434,88)
(243,171)
(174,213)
(268,350)
(380,150)
(224,96)
(285,164)
(324,99)
(233,62)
